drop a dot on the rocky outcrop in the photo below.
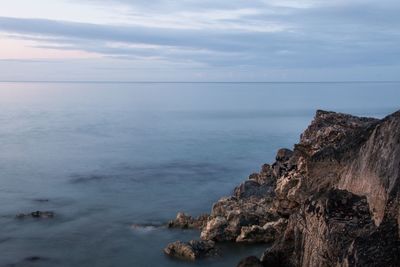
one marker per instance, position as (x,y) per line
(229,215)
(192,250)
(345,191)
(265,234)
(374,171)
(185,221)
(334,200)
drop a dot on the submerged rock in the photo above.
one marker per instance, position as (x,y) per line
(33,258)
(36,214)
(41,200)
(28,261)
(191,250)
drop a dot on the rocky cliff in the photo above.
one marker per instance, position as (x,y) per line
(334,200)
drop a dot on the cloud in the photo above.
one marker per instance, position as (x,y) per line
(282,34)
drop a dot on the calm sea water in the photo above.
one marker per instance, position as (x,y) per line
(110,155)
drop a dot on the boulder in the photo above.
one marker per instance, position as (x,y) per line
(191,250)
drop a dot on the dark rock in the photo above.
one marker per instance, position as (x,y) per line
(284,154)
(37,214)
(251,261)
(191,250)
(33,258)
(41,200)
(251,188)
(277,257)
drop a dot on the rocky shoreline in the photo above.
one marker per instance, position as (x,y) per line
(334,200)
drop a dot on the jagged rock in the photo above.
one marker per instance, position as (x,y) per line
(256,234)
(191,250)
(331,131)
(266,176)
(251,261)
(284,154)
(358,226)
(265,234)
(37,214)
(229,215)
(278,225)
(374,170)
(185,221)
(252,188)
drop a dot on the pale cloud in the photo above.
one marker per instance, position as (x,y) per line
(248,36)
(11,48)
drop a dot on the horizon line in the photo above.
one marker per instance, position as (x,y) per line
(188,82)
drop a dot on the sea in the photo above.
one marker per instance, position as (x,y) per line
(115,161)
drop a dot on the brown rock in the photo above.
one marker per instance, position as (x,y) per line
(191,250)
(185,221)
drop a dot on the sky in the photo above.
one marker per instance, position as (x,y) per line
(203,40)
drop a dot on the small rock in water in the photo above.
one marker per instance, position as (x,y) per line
(41,200)
(191,250)
(33,258)
(36,214)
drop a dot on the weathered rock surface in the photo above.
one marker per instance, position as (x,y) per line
(192,250)
(229,215)
(265,234)
(342,200)
(334,200)
(185,221)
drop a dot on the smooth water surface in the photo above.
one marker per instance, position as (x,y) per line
(105,156)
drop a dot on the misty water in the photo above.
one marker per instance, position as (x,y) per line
(106,156)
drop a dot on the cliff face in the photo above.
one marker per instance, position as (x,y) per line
(375,170)
(346,195)
(332,201)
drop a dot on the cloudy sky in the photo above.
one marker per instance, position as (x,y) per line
(200,40)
